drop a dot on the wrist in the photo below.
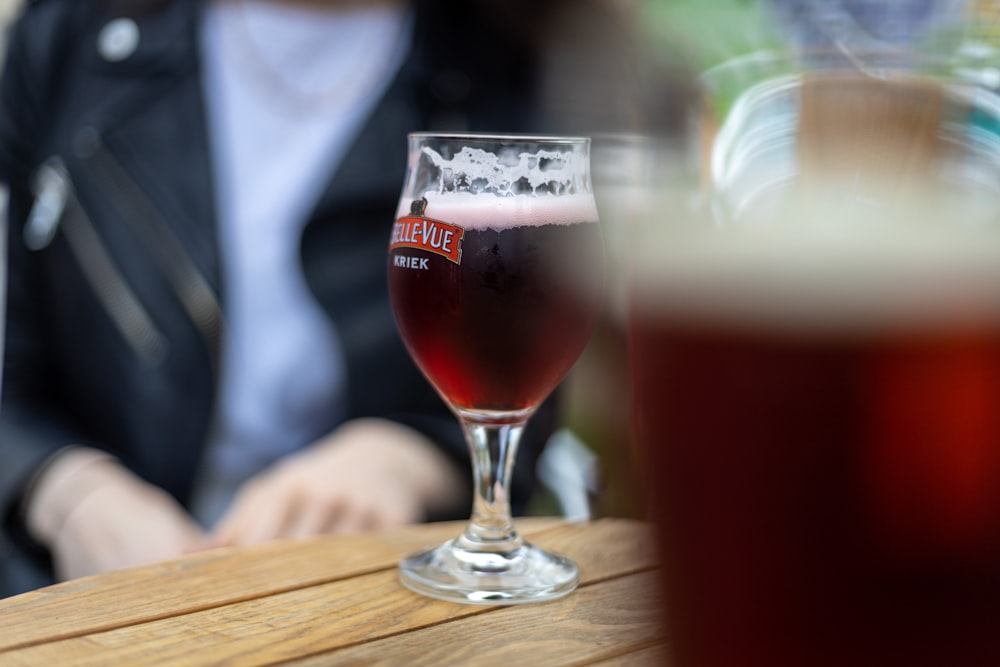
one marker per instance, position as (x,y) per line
(72,475)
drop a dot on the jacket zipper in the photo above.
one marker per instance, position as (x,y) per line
(190,286)
(56,207)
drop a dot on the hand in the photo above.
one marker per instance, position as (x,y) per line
(368,474)
(96,516)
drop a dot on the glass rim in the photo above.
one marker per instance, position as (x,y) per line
(502,137)
(860,63)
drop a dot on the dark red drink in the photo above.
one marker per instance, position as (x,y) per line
(500,328)
(825,463)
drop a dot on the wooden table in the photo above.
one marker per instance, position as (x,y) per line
(337,600)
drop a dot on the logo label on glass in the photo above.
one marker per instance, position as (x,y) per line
(423,233)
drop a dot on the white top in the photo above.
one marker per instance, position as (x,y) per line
(288,88)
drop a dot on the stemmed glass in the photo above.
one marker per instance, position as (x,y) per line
(495,273)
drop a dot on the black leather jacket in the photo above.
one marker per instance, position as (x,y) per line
(115,299)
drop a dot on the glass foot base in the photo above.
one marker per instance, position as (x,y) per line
(455,574)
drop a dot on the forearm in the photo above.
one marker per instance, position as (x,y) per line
(94,515)
(29,441)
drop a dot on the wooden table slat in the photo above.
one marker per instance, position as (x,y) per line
(204,580)
(369,606)
(598,618)
(650,656)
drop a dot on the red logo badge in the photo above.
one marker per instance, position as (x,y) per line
(423,233)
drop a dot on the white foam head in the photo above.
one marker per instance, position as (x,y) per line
(509,169)
(507,186)
(489,211)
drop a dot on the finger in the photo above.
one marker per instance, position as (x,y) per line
(256,516)
(381,511)
(266,523)
(394,508)
(353,520)
(229,526)
(315,518)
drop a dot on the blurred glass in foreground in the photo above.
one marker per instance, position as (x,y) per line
(815,347)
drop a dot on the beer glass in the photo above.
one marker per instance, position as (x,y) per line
(816,357)
(495,272)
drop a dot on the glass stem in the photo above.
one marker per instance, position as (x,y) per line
(492,447)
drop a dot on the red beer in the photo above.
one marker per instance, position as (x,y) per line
(824,441)
(498,329)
